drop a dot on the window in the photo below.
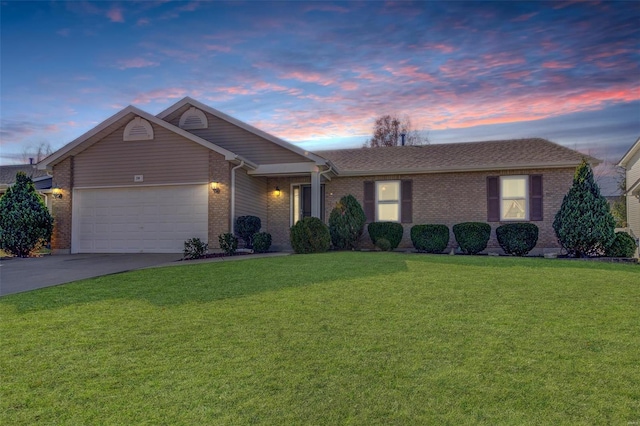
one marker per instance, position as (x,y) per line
(513,198)
(388,201)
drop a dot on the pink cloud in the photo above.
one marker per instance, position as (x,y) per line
(326,8)
(217,48)
(115,14)
(411,72)
(142,22)
(523,18)
(555,65)
(308,77)
(124,64)
(160,95)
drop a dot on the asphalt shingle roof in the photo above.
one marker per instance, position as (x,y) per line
(517,153)
(8,173)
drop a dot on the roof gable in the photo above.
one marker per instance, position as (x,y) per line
(469,156)
(629,154)
(285,149)
(115,122)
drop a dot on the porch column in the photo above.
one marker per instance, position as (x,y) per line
(315,194)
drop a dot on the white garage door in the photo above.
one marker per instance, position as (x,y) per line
(138,220)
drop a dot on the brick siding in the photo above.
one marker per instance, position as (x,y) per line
(61,208)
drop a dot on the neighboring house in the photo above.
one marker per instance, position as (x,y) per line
(41,180)
(631,163)
(144,183)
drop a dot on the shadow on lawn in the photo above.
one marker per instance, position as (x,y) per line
(212,281)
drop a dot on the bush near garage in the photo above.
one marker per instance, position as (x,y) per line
(246,227)
(472,237)
(517,238)
(261,242)
(430,238)
(194,248)
(228,243)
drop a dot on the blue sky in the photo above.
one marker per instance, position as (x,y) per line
(318,73)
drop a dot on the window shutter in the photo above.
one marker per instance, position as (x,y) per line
(535,197)
(493,199)
(370,201)
(406,206)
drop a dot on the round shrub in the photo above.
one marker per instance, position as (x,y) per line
(383,244)
(194,248)
(472,237)
(346,223)
(623,246)
(430,238)
(517,238)
(310,235)
(246,226)
(261,242)
(390,231)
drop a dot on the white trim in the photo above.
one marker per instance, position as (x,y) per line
(189,101)
(284,168)
(52,159)
(141,186)
(630,153)
(200,116)
(137,123)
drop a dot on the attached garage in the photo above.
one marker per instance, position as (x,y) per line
(154,219)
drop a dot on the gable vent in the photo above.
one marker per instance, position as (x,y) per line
(193,118)
(138,129)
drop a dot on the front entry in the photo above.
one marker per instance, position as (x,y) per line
(301,203)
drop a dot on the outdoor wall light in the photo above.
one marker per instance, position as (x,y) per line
(215,187)
(277,191)
(57,193)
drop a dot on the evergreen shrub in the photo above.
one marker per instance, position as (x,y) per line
(391,231)
(346,223)
(430,238)
(261,242)
(584,225)
(623,246)
(228,243)
(472,237)
(517,238)
(194,248)
(310,235)
(25,222)
(383,244)
(246,227)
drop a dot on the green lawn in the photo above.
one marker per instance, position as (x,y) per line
(357,338)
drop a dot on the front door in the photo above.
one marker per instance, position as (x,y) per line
(301,206)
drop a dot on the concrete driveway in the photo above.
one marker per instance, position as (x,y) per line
(17,275)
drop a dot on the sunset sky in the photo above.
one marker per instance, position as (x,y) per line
(318,73)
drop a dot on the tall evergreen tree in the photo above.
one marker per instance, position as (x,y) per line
(25,222)
(584,225)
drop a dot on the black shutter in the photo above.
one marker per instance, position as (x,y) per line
(493,199)
(535,197)
(370,201)
(406,207)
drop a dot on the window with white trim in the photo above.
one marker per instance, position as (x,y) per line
(388,201)
(514,193)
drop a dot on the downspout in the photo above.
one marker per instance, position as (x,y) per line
(233,195)
(326,171)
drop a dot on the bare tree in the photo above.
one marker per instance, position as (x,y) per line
(35,154)
(388,130)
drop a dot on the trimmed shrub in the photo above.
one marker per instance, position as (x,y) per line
(346,223)
(310,235)
(25,223)
(584,224)
(623,246)
(194,248)
(261,242)
(430,238)
(391,231)
(246,227)
(228,243)
(472,237)
(383,244)
(517,238)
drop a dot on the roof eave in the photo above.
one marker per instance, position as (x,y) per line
(630,153)
(346,173)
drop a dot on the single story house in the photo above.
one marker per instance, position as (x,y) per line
(631,163)
(144,183)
